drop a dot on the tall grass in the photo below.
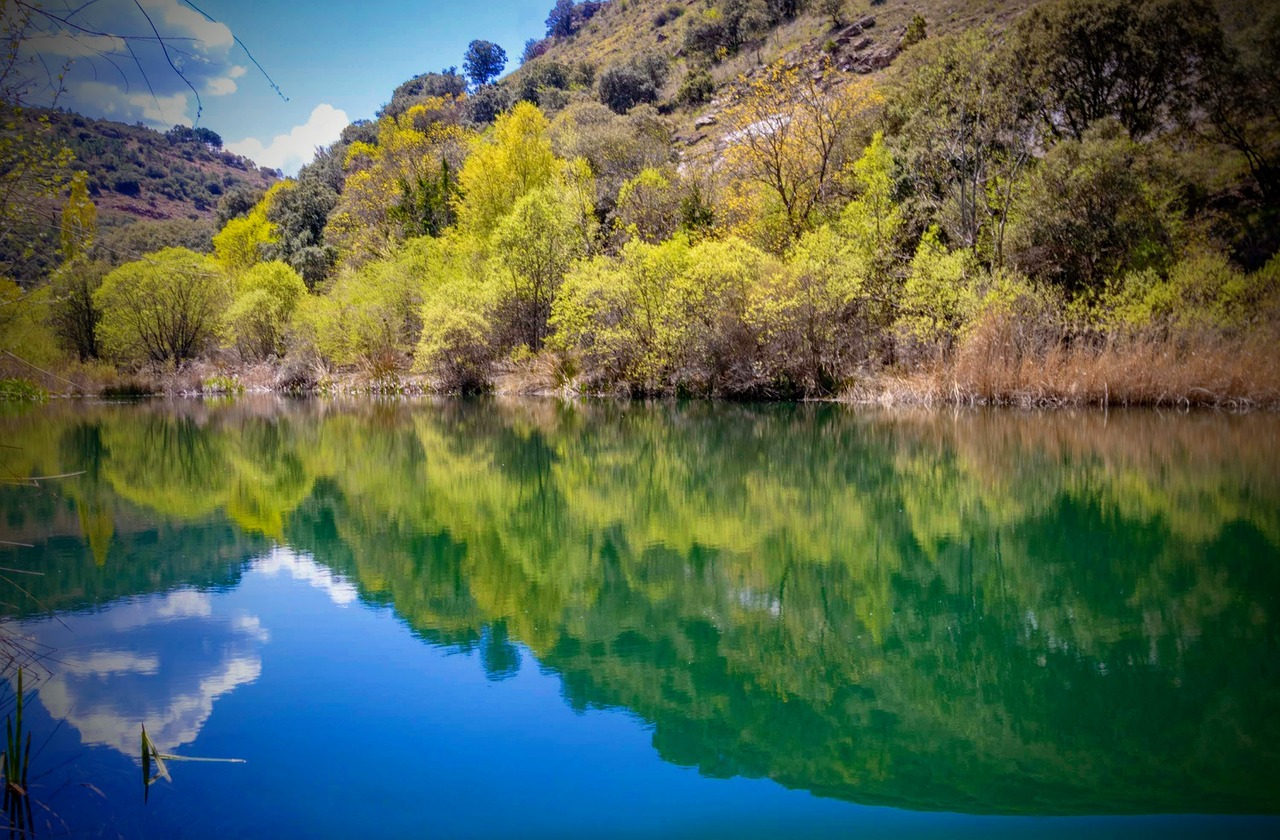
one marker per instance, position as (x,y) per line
(15,762)
(1006,361)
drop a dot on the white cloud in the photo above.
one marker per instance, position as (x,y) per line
(303,568)
(208,34)
(220,87)
(161,661)
(290,151)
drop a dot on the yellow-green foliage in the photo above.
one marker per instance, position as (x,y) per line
(23,325)
(371,314)
(649,206)
(515,159)
(939,295)
(79,219)
(613,312)
(412,149)
(457,343)
(166,306)
(238,246)
(1201,292)
(533,247)
(667,316)
(266,296)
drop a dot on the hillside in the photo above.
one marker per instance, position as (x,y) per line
(702,35)
(138,173)
(1061,201)
(133,174)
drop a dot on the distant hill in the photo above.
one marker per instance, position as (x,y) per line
(137,172)
(134,174)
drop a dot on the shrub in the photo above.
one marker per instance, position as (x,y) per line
(696,89)
(21,390)
(164,307)
(623,86)
(266,297)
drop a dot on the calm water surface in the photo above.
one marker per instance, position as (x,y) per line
(531,619)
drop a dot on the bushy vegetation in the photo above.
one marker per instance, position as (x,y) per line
(1093,179)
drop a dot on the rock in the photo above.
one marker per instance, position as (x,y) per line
(705,120)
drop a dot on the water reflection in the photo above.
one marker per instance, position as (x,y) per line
(986,612)
(159,661)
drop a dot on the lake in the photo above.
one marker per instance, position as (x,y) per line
(503,618)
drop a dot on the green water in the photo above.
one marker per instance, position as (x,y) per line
(962,612)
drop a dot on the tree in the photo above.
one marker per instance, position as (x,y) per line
(1096,208)
(616,147)
(165,307)
(1240,93)
(535,244)
(514,160)
(448,82)
(937,296)
(961,116)
(791,136)
(834,9)
(300,214)
(266,296)
(1135,60)
(483,62)
(402,186)
(241,243)
(79,219)
(560,19)
(623,86)
(649,206)
(73,315)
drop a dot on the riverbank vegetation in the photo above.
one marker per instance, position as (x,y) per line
(1078,205)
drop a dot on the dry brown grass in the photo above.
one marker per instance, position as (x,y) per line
(532,375)
(997,366)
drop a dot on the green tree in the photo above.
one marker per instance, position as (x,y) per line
(958,113)
(534,245)
(1134,60)
(636,82)
(483,62)
(265,298)
(611,313)
(165,307)
(649,206)
(560,20)
(243,241)
(73,312)
(938,295)
(402,186)
(1240,94)
(1095,209)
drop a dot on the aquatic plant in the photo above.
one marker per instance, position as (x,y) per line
(22,390)
(15,761)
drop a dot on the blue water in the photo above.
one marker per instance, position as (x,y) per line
(444,621)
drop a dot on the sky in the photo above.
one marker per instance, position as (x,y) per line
(335,62)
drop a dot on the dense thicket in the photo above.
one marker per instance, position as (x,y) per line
(1095,181)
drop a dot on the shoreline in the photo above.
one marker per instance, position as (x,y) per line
(918,390)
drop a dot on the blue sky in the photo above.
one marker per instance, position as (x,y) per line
(336,62)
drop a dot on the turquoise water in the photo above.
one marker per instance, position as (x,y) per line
(527,618)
